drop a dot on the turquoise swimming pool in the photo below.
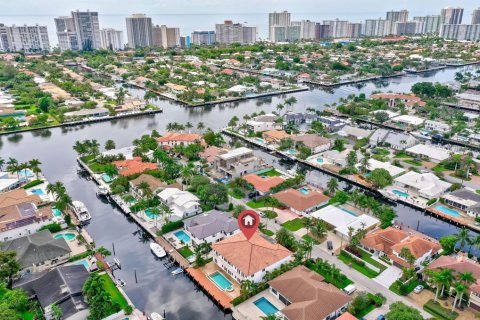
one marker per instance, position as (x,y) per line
(25,173)
(266,306)
(400,193)
(320,160)
(38,192)
(447,210)
(84,263)
(291,151)
(182,236)
(107,178)
(304,190)
(221,281)
(349,212)
(67,236)
(260,140)
(56,212)
(149,214)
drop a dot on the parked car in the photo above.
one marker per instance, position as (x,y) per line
(381,317)
(330,245)
(349,289)
(418,289)
(253,194)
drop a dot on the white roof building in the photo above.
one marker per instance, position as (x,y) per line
(426,185)
(393,170)
(432,153)
(409,120)
(182,203)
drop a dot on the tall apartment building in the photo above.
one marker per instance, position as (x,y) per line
(452,15)
(229,32)
(27,38)
(338,28)
(476,16)
(200,37)
(281,19)
(377,27)
(286,33)
(428,24)
(407,28)
(322,31)
(307,29)
(469,32)
(396,16)
(4,46)
(112,39)
(165,37)
(354,30)
(87,29)
(67,36)
(139,31)
(185,41)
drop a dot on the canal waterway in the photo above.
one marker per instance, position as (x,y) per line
(154,289)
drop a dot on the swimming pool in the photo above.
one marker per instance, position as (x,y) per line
(304,190)
(266,306)
(400,193)
(38,192)
(291,151)
(447,210)
(320,160)
(182,236)
(84,263)
(348,211)
(67,236)
(260,140)
(25,173)
(149,214)
(106,178)
(56,212)
(221,281)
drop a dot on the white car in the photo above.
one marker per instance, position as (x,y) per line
(418,289)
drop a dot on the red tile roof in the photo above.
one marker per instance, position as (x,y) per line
(459,264)
(133,166)
(180,137)
(263,184)
(299,201)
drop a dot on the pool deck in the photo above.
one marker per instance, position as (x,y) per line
(459,220)
(247,310)
(223,298)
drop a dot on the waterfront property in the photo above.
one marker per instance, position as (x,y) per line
(155,185)
(133,166)
(249,259)
(301,203)
(428,152)
(392,139)
(409,100)
(236,163)
(264,123)
(263,184)
(389,242)
(39,251)
(314,142)
(394,171)
(211,227)
(182,203)
(173,139)
(274,136)
(62,286)
(10,181)
(426,185)
(464,199)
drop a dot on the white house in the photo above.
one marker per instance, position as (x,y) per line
(237,163)
(431,153)
(265,122)
(211,227)
(426,185)
(394,171)
(182,203)
(408,120)
(436,126)
(249,259)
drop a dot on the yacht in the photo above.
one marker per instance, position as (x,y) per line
(156,316)
(157,250)
(81,211)
(177,271)
(102,190)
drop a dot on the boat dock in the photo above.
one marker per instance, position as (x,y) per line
(200,279)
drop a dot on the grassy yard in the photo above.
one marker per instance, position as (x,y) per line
(367,257)
(402,155)
(438,311)
(340,283)
(406,289)
(413,162)
(308,237)
(267,232)
(257,204)
(348,260)
(439,168)
(295,224)
(271,173)
(113,291)
(185,251)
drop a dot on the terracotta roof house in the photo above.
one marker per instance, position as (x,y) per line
(211,153)
(154,184)
(133,166)
(461,264)
(409,100)
(389,243)
(274,136)
(307,297)
(263,184)
(250,259)
(39,251)
(172,139)
(314,142)
(347,316)
(302,202)
(17,196)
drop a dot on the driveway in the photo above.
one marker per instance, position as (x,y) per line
(389,276)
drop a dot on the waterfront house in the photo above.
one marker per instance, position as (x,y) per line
(249,259)
(211,227)
(306,296)
(314,142)
(90,113)
(461,264)
(155,185)
(354,133)
(264,122)
(173,139)
(392,139)
(133,166)
(176,88)
(436,126)
(211,153)
(62,286)
(464,199)
(339,158)
(301,202)
(263,184)
(237,163)
(332,124)
(389,243)
(9,181)
(274,136)
(182,203)
(429,152)
(297,118)
(426,185)
(126,152)
(394,171)
(39,251)
(409,100)
(408,120)
(20,214)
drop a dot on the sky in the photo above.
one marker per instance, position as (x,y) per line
(57,7)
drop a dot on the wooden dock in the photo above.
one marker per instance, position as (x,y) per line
(210,289)
(174,255)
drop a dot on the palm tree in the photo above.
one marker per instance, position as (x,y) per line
(13,167)
(145,187)
(463,236)
(435,278)
(56,312)
(2,163)
(460,289)
(166,212)
(364,163)
(319,229)
(155,212)
(446,277)
(332,186)
(121,96)
(307,246)
(34,165)
(280,107)
(308,223)
(466,279)
(189,126)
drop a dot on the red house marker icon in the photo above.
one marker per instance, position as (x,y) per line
(248,222)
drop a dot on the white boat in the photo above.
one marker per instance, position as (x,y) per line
(156,316)
(157,250)
(177,271)
(81,211)
(102,190)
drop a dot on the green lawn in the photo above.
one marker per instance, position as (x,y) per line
(402,155)
(408,288)
(439,168)
(294,225)
(307,237)
(271,173)
(413,162)
(368,258)
(365,311)
(267,232)
(257,204)
(112,290)
(32,184)
(438,311)
(27,315)
(348,260)
(185,252)
(340,284)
